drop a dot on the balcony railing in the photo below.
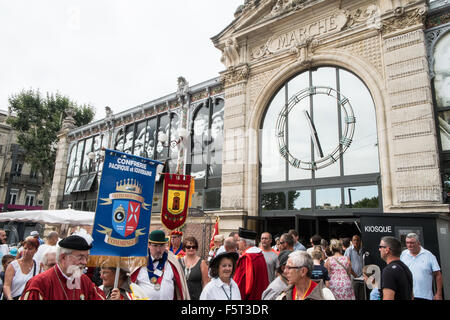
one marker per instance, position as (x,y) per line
(24,179)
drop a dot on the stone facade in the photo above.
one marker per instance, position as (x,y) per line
(382,42)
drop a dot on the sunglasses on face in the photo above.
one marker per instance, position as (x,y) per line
(191,247)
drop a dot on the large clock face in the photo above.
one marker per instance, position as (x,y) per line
(323,153)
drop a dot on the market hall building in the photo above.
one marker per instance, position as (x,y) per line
(330,117)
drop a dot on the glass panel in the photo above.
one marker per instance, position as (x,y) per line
(214,182)
(444,128)
(96,149)
(86,160)
(212,199)
(299,200)
(362,155)
(139,141)
(215,168)
(68,182)
(328,199)
(150,139)
(299,141)
(173,166)
(161,149)
(273,165)
(199,148)
(197,199)
(79,157)
(361,197)
(325,119)
(442,71)
(71,186)
(73,155)
(216,140)
(200,131)
(273,201)
(129,137)
(446,188)
(118,145)
(174,125)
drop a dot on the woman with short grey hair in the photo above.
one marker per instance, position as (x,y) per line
(298,270)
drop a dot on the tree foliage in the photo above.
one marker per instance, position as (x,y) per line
(37,120)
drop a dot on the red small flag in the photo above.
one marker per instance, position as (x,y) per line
(215,233)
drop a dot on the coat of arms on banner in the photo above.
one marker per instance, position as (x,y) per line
(126,206)
(175,200)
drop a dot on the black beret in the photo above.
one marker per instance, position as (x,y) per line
(75,243)
(247,234)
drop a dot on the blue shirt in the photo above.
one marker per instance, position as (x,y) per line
(422,267)
(356,258)
(299,246)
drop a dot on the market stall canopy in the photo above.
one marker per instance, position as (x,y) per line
(68,217)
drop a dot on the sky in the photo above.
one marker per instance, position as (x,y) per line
(116,53)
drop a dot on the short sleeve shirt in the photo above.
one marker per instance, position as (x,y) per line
(422,267)
(397,277)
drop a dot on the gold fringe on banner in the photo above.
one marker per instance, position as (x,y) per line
(131,263)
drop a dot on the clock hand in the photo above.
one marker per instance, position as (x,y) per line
(314,135)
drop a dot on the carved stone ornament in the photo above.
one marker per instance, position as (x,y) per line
(182,90)
(403,20)
(305,50)
(247,6)
(283,6)
(235,74)
(369,15)
(301,36)
(230,53)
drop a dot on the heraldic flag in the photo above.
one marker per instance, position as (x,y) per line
(176,198)
(124,207)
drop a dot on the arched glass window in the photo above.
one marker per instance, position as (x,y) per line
(206,153)
(318,107)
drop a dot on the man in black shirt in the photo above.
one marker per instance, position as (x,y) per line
(396,278)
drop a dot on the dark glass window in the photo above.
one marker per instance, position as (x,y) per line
(206,152)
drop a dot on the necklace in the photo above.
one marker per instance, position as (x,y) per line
(62,287)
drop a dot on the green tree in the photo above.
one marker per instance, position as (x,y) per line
(37,120)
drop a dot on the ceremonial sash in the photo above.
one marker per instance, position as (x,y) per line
(312,286)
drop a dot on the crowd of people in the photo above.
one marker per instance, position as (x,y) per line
(238,267)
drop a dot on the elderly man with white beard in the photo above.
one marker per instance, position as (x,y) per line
(66,281)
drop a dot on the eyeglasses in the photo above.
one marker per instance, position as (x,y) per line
(191,247)
(81,257)
(384,247)
(292,267)
(282,242)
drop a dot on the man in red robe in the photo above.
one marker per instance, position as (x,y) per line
(66,281)
(251,271)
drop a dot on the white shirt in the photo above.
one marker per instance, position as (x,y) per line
(167,289)
(216,289)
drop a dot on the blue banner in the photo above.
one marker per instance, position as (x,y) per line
(124,205)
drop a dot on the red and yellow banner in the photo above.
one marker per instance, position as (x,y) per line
(176,197)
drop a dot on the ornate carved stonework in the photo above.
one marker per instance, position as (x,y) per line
(235,74)
(299,39)
(402,20)
(230,53)
(369,15)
